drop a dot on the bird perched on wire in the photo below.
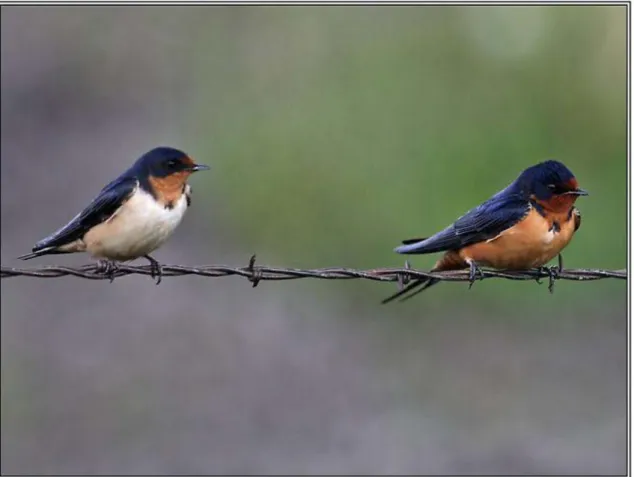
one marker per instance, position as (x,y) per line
(132,216)
(523,226)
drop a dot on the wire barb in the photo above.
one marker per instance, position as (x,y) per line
(255,274)
(403,280)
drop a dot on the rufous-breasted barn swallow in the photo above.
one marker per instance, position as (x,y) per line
(523,226)
(133,215)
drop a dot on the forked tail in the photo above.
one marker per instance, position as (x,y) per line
(423,283)
(451,260)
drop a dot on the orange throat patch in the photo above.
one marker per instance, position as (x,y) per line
(557,203)
(169,189)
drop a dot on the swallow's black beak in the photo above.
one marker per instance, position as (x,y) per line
(199,167)
(577,191)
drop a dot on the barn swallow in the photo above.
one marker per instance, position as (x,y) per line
(523,226)
(132,216)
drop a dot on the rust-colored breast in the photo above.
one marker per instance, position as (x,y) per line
(169,189)
(530,243)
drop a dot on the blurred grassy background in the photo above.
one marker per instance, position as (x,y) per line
(333,134)
(376,125)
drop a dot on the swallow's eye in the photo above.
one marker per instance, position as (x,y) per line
(172,164)
(552,186)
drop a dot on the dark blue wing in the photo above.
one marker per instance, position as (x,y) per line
(100,209)
(484,222)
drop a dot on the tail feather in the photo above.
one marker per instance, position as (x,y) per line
(449,261)
(430,283)
(423,283)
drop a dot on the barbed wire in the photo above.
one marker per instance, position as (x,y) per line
(256,273)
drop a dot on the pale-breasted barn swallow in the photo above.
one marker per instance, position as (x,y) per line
(133,215)
(523,226)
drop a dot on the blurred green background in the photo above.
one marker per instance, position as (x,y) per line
(333,133)
(375,125)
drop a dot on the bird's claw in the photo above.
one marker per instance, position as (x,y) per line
(473,270)
(156,271)
(552,273)
(107,268)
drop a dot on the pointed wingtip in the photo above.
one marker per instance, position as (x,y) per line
(405,249)
(36,251)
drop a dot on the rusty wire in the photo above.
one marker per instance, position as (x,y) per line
(256,273)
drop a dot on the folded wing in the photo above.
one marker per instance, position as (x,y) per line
(479,224)
(100,209)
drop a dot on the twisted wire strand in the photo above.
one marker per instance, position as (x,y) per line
(255,274)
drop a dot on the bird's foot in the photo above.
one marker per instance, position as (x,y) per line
(108,268)
(552,273)
(155,269)
(473,270)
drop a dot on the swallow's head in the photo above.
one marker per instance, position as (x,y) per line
(164,172)
(162,162)
(551,184)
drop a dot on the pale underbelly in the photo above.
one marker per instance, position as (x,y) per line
(128,245)
(134,231)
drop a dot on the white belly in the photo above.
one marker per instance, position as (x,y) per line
(139,227)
